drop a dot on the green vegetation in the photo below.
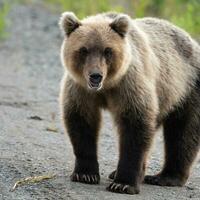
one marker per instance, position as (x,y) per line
(188,16)
(85,7)
(184,13)
(4,9)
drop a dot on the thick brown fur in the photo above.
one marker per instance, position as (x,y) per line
(150,77)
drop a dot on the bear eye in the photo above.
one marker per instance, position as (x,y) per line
(83,51)
(108,52)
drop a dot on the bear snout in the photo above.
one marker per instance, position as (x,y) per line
(95,78)
(95,81)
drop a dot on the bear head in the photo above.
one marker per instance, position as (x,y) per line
(95,50)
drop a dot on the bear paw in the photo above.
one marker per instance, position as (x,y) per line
(122,188)
(85,178)
(163,180)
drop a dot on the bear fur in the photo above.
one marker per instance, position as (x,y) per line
(146,72)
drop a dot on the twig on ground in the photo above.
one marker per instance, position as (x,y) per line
(29,180)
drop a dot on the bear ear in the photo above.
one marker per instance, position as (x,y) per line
(69,22)
(121,24)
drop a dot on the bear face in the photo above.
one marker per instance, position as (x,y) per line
(95,51)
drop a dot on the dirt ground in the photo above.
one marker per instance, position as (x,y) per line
(30,72)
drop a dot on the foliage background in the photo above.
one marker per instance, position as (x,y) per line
(184,13)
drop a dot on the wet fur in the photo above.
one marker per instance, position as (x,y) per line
(155,81)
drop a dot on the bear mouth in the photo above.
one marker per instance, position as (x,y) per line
(94,86)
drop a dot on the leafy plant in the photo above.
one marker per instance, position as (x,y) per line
(4,9)
(188,16)
(184,13)
(84,8)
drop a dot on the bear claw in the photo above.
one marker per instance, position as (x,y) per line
(122,188)
(85,178)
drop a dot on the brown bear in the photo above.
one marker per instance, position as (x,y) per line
(146,72)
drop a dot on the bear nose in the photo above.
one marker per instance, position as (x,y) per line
(95,78)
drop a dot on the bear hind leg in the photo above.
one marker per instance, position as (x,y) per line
(182,142)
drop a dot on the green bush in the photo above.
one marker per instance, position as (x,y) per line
(84,8)
(4,9)
(188,16)
(184,13)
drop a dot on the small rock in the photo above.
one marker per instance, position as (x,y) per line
(35,117)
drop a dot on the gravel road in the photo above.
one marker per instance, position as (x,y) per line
(32,141)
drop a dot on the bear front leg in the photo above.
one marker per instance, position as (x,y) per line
(135,139)
(82,128)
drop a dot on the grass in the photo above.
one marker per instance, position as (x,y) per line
(184,13)
(84,8)
(4,9)
(188,17)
